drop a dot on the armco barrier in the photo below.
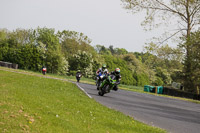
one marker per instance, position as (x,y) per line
(9,65)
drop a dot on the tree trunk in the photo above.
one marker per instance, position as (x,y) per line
(188,81)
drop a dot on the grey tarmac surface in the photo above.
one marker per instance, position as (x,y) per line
(175,116)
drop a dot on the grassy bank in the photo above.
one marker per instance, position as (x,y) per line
(36,104)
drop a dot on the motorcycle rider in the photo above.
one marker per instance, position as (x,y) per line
(44,70)
(101,77)
(117,76)
(78,75)
(101,70)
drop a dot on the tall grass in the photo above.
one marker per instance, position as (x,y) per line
(36,104)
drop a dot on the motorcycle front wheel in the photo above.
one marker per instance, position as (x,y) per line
(101,93)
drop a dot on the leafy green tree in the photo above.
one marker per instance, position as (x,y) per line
(158,82)
(163,75)
(142,79)
(72,41)
(120,51)
(164,60)
(117,51)
(28,57)
(141,72)
(195,63)
(3,44)
(116,62)
(82,61)
(102,50)
(50,48)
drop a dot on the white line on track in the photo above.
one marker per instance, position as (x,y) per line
(83,90)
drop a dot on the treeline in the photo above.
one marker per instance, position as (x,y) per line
(65,52)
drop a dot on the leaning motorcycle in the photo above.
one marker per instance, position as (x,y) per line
(100,79)
(108,84)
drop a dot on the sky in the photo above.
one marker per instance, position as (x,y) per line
(105,22)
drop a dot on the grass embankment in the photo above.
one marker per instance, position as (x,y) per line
(36,104)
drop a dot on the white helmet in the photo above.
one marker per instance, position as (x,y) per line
(105,71)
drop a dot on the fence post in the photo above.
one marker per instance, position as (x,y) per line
(156,89)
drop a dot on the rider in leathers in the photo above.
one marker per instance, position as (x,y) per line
(102,71)
(117,75)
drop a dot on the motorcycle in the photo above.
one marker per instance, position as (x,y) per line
(78,77)
(44,70)
(109,83)
(100,79)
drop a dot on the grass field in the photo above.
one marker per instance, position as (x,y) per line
(36,104)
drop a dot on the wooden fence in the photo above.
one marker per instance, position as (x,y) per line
(9,65)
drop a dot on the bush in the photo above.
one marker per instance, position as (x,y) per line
(72,73)
(158,82)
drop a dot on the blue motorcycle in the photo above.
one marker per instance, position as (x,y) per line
(100,78)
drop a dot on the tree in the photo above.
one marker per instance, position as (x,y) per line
(48,44)
(103,50)
(116,62)
(3,44)
(164,60)
(141,73)
(120,51)
(111,48)
(186,12)
(165,56)
(82,61)
(195,59)
(72,41)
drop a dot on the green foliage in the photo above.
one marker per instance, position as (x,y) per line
(115,62)
(192,64)
(163,74)
(111,50)
(164,60)
(141,72)
(142,79)
(82,61)
(32,49)
(102,50)
(50,48)
(158,82)
(72,41)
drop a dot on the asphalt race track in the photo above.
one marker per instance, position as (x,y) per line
(175,116)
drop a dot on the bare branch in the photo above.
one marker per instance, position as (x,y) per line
(170,36)
(194,12)
(172,10)
(196,9)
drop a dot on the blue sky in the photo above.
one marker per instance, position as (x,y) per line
(105,22)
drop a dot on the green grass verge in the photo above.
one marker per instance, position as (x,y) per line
(36,104)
